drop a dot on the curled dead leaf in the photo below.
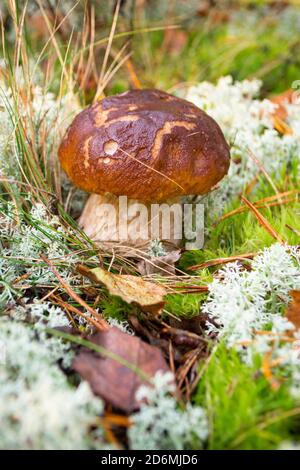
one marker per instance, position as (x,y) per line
(132,289)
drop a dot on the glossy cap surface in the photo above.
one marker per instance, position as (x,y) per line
(145,144)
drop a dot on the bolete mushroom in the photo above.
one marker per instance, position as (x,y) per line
(144,144)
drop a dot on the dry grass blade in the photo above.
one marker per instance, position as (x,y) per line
(54,41)
(108,78)
(263,221)
(107,51)
(294,230)
(18,22)
(263,170)
(217,261)
(125,34)
(110,436)
(102,324)
(117,420)
(89,30)
(267,372)
(152,169)
(193,290)
(134,80)
(278,196)
(50,39)
(75,310)
(117,55)
(251,185)
(271,201)
(28,185)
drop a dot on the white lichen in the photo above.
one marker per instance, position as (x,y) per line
(161,425)
(248,126)
(39,409)
(242,301)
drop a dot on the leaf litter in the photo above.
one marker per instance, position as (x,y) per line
(115,382)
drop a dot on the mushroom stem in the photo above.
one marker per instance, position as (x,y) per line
(120,223)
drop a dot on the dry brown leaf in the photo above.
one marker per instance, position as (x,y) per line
(280,114)
(132,289)
(164,265)
(115,382)
(281,101)
(293,310)
(281,126)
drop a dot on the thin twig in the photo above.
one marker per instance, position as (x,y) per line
(263,221)
(102,323)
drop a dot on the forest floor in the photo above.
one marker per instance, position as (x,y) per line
(217,361)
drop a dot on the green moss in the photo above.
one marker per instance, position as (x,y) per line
(184,305)
(244,412)
(114,307)
(243,233)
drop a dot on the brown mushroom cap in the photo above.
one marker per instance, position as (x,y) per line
(144,144)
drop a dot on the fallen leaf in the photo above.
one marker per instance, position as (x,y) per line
(154,338)
(113,381)
(280,114)
(281,101)
(164,265)
(281,126)
(293,310)
(132,289)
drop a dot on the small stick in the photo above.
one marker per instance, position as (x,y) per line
(71,308)
(263,170)
(294,230)
(216,262)
(117,420)
(265,202)
(102,323)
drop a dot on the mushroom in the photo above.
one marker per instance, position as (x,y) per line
(147,145)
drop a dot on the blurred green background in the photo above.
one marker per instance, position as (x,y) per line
(170,43)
